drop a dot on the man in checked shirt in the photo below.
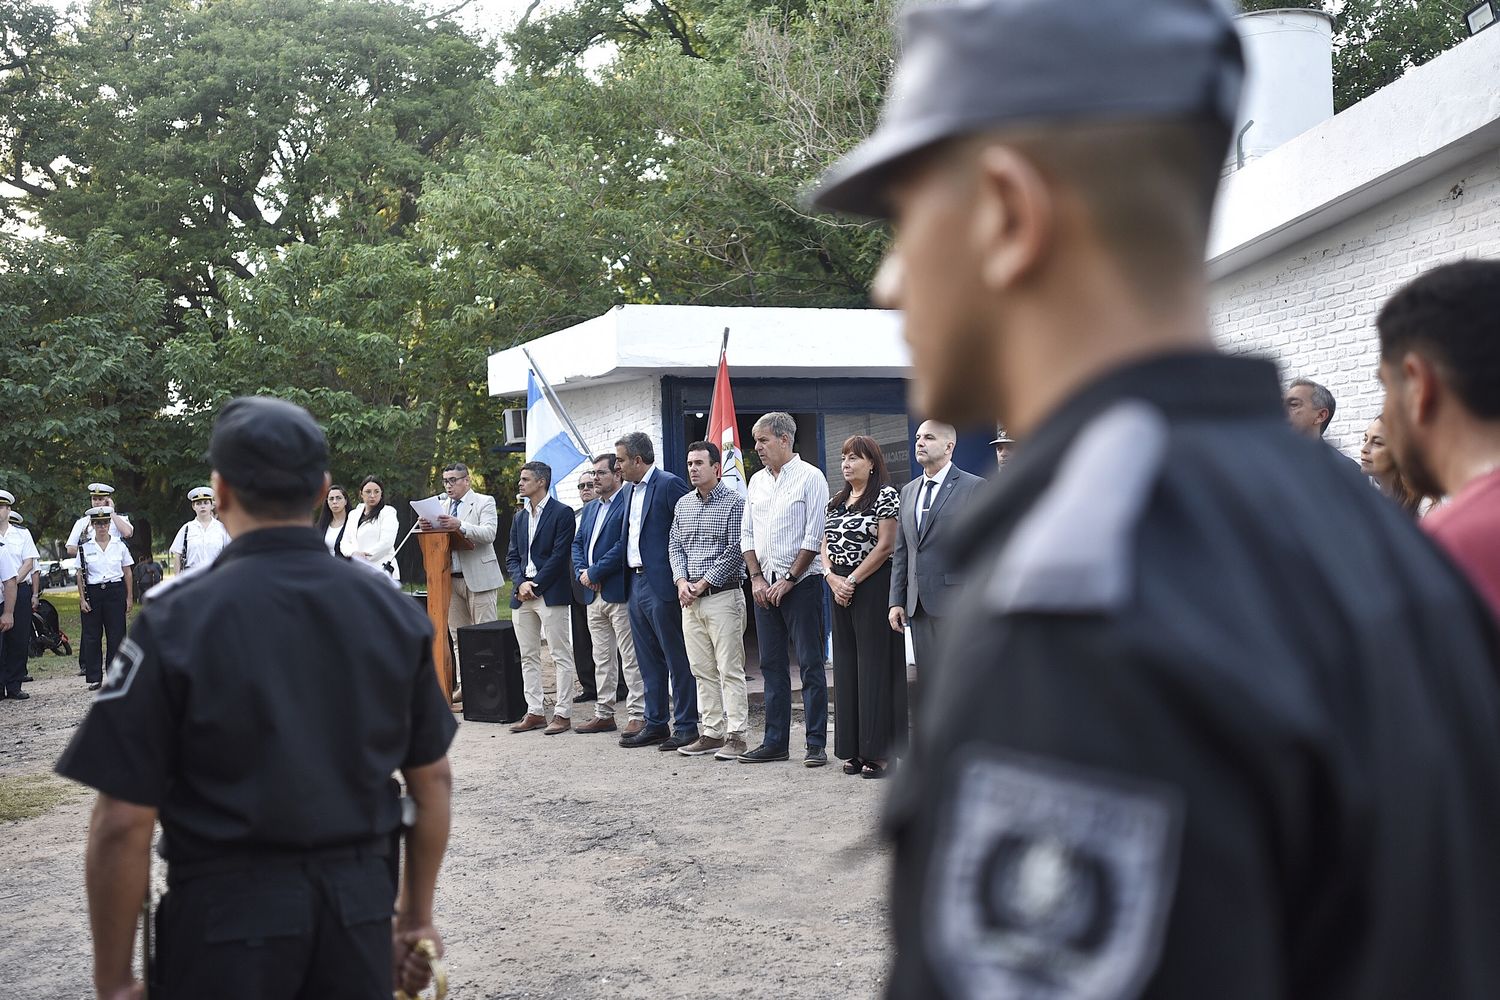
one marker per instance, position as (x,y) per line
(708,569)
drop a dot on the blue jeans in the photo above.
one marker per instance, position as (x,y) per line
(656,627)
(799,621)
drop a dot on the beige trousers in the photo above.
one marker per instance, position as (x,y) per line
(532,620)
(713,629)
(469,607)
(609,627)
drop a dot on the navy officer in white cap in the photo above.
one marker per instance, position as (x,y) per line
(105,592)
(15,645)
(100,495)
(199,541)
(1218,722)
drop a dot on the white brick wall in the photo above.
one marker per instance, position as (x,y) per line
(605,412)
(1312,306)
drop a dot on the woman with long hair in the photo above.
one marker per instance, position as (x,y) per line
(1377,461)
(333,518)
(869,659)
(372,536)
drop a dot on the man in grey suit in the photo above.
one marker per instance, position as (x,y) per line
(922,585)
(476,568)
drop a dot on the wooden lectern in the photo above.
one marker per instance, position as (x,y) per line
(437,560)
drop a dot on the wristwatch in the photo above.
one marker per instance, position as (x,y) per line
(791,578)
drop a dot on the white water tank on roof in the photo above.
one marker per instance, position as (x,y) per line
(1289,79)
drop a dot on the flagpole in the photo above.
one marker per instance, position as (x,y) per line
(557,403)
(724,345)
(723,352)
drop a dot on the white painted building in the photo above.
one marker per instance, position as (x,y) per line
(1311,238)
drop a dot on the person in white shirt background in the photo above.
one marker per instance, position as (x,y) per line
(100,495)
(200,540)
(333,519)
(15,643)
(104,592)
(373,534)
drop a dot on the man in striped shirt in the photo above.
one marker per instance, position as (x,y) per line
(707,567)
(781,539)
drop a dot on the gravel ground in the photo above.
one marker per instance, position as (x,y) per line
(575,869)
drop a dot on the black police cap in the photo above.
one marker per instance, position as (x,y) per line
(269,446)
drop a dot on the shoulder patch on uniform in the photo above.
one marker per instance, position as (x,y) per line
(122,671)
(1071,552)
(1048,880)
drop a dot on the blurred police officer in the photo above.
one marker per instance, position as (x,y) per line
(262,725)
(1219,722)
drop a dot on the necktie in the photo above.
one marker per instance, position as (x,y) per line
(926,505)
(452,508)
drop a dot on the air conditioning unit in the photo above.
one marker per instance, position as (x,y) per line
(515,426)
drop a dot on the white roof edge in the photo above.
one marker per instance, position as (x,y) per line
(640,340)
(1435,117)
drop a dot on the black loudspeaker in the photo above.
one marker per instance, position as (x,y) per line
(490,665)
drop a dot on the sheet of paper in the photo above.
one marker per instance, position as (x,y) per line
(430,508)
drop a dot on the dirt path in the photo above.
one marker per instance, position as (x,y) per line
(575,869)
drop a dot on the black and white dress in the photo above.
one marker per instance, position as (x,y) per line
(869,658)
(852,534)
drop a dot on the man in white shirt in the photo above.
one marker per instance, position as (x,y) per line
(100,495)
(922,582)
(782,539)
(104,592)
(199,541)
(15,643)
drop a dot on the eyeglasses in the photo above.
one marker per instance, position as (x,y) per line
(453,479)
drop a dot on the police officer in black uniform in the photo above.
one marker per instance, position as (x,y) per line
(1213,720)
(262,725)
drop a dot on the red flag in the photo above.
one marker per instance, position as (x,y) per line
(722,425)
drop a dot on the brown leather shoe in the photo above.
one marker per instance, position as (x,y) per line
(560,724)
(632,727)
(529,723)
(597,725)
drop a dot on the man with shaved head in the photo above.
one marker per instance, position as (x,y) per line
(1146,765)
(923,579)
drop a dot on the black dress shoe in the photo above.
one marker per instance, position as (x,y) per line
(25,678)
(680,740)
(650,736)
(18,696)
(585,697)
(95,685)
(815,757)
(763,755)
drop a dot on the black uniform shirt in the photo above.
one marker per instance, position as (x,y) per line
(263,706)
(1213,721)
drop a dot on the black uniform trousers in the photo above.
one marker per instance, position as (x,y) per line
(869,672)
(311,929)
(105,618)
(17,643)
(583,649)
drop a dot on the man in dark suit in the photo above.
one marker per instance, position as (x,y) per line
(599,561)
(541,547)
(922,583)
(583,643)
(655,615)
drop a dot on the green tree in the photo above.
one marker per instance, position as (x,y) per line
(79,380)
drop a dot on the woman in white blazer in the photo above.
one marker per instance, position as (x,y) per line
(371,532)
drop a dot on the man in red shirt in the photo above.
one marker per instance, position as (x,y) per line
(1440,364)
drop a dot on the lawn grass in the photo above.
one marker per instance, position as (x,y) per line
(29,795)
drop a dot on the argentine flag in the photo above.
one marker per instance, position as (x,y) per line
(547,440)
